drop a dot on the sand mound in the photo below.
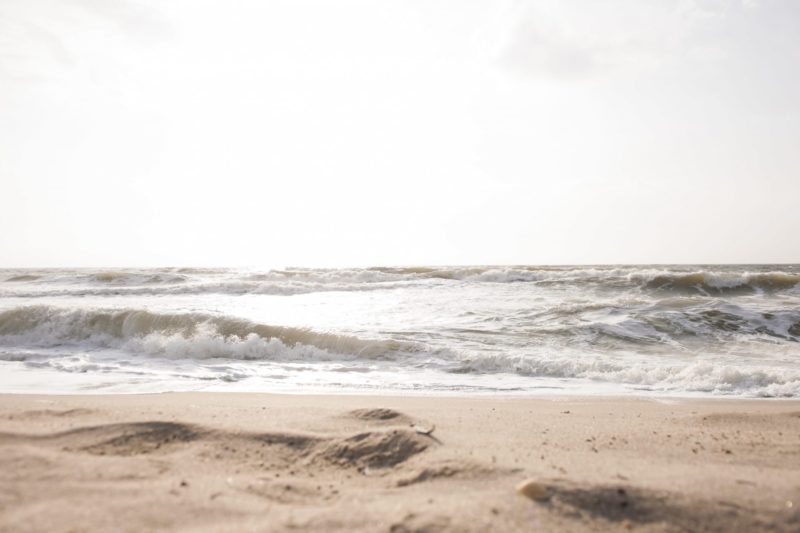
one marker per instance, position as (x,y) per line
(377,449)
(143,437)
(379,414)
(120,439)
(113,439)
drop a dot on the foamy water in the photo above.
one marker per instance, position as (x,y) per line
(644,330)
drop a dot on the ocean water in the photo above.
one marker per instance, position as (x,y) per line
(701,330)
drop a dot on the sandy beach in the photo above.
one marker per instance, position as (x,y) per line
(260,462)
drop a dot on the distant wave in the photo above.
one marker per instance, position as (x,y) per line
(130,278)
(190,335)
(723,282)
(23,277)
(233,287)
(710,281)
(718,280)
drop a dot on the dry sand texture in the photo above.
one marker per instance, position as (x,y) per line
(250,462)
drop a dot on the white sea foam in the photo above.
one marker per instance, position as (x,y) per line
(700,377)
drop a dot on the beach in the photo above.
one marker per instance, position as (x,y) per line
(399,267)
(401,399)
(264,462)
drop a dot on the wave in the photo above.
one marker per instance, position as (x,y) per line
(399,274)
(291,282)
(190,335)
(699,377)
(101,278)
(648,346)
(135,278)
(710,325)
(723,282)
(677,280)
(197,270)
(23,277)
(233,288)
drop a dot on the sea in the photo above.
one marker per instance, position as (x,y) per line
(606,330)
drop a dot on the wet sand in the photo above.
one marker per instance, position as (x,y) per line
(260,462)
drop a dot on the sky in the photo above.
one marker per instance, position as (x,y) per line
(356,133)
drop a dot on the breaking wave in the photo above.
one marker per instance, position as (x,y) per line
(190,335)
(723,282)
(711,324)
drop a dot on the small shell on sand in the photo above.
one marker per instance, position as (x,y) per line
(423,430)
(533,490)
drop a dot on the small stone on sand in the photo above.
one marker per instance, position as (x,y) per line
(533,490)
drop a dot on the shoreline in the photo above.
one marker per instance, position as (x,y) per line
(656,397)
(213,461)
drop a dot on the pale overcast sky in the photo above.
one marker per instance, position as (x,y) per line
(337,133)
